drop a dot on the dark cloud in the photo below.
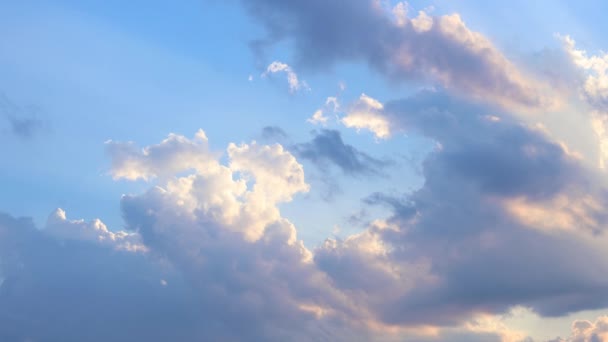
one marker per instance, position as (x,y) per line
(218,261)
(77,290)
(506,217)
(485,145)
(327,148)
(274,133)
(402,207)
(229,290)
(440,48)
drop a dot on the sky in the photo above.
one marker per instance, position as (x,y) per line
(272,170)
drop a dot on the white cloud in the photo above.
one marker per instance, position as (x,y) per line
(318,117)
(294,82)
(594,90)
(242,195)
(366,113)
(400,13)
(161,160)
(423,22)
(595,86)
(96,231)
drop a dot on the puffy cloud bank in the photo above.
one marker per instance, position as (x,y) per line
(207,255)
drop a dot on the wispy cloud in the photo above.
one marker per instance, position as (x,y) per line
(293,81)
(23,122)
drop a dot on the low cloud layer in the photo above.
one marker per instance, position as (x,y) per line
(208,242)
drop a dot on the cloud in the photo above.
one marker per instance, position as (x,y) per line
(292,78)
(437,48)
(60,227)
(331,105)
(218,260)
(592,82)
(161,160)
(365,114)
(224,189)
(22,121)
(77,289)
(219,263)
(455,248)
(318,118)
(595,87)
(327,148)
(586,331)
(221,228)
(274,133)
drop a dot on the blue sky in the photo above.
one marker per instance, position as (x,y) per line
(450,188)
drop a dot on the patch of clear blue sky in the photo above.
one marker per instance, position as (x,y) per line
(137,70)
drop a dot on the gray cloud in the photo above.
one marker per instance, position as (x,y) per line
(78,290)
(22,121)
(505,217)
(219,261)
(226,289)
(327,148)
(274,134)
(439,48)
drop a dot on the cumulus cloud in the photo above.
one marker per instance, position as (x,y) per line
(172,154)
(586,331)
(221,191)
(220,261)
(593,84)
(455,248)
(60,227)
(595,87)
(294,82)
(437,48)
(506,216)
(365,113)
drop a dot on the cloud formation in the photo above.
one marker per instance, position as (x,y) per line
(506,216)
(586,331)
(327,148)
(592,84)
(447,253)
(365,114)
(331,105)
(208,242)
(437,48)
(294,82)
